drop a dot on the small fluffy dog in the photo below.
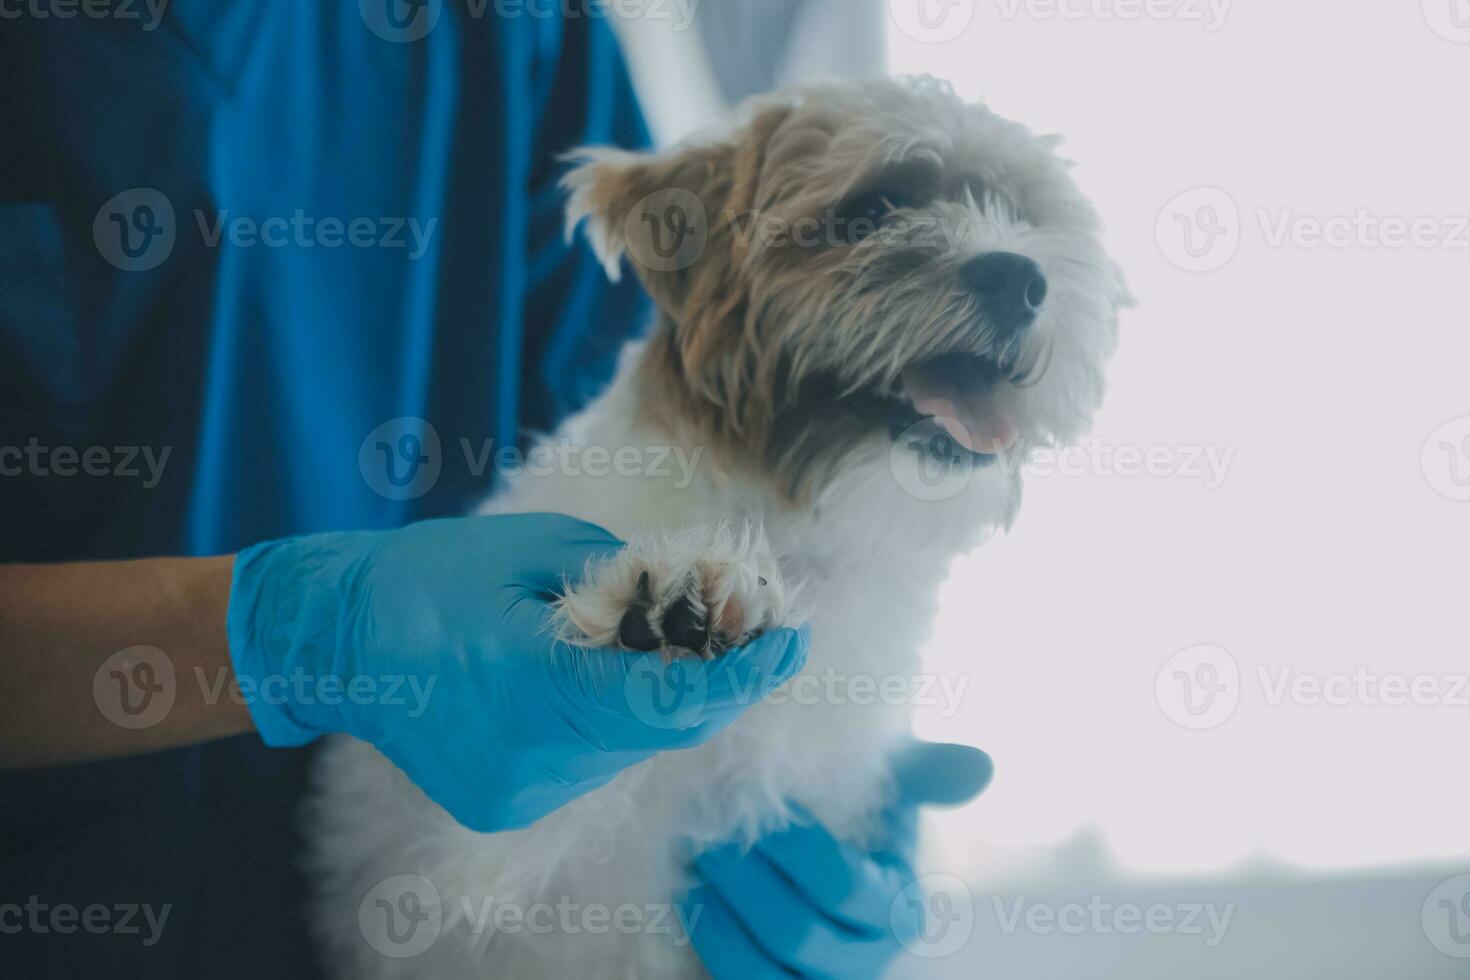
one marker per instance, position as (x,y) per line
(873,301)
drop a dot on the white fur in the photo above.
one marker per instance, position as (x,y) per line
(870,556)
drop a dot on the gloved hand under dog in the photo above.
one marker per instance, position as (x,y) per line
(510,724)
(801,903)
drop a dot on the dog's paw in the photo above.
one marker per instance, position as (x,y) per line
(698,592)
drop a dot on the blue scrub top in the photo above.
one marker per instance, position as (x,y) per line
(247,236)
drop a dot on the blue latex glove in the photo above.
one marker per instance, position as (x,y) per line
(803,904)
(489,715)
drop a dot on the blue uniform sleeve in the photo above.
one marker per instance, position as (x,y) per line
(230,384)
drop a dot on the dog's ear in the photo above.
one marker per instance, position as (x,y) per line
(685,221)
(677,215)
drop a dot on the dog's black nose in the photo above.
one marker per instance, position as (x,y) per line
(1011,287)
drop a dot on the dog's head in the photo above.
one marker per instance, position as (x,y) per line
(861,263)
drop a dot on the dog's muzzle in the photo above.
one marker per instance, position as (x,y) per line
(1011,289)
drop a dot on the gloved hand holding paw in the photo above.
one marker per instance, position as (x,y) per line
(509,723)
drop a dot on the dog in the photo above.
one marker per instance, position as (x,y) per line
(873,299)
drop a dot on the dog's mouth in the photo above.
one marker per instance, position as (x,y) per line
(950,406)
(958,392)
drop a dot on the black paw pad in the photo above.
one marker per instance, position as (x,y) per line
(686,626)
(635,632)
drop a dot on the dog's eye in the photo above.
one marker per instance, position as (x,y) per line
(866,214)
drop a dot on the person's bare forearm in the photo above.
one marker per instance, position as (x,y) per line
(114,658)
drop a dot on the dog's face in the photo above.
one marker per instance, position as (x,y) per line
(862,263)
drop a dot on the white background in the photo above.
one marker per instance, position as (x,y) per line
(1327,548)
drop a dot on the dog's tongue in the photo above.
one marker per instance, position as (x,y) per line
(967,411)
